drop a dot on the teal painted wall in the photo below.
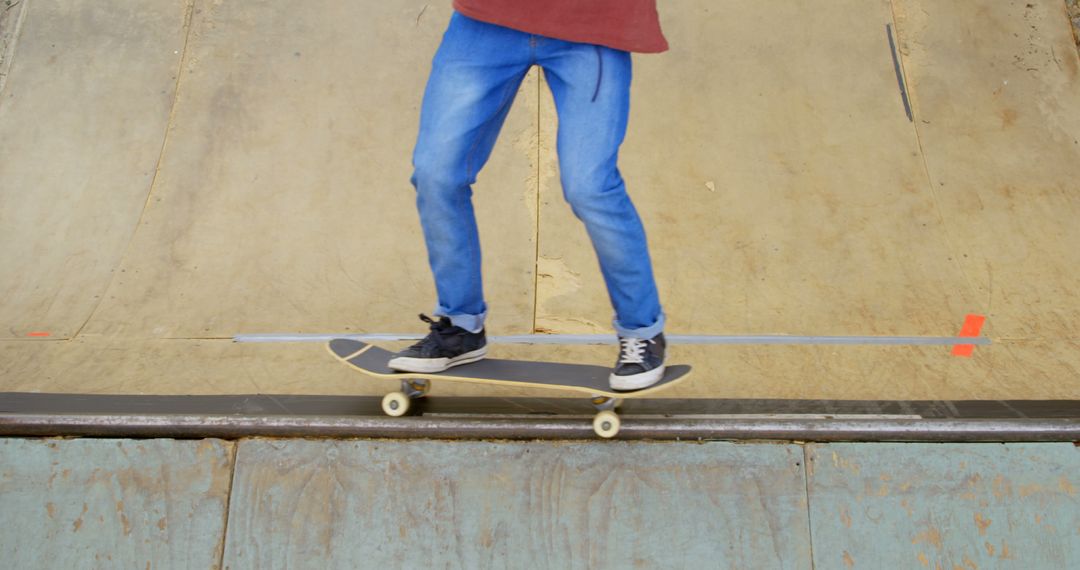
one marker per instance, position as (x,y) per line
(71,504)
(417,504)
(945,506)
(513,505)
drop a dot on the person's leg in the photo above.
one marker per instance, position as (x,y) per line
(591,88)
(474,77)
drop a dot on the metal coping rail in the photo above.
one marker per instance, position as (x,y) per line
(235,426)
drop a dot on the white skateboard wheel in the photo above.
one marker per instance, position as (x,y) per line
(606,424)
(396,404)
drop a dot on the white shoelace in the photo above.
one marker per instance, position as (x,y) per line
(633,350)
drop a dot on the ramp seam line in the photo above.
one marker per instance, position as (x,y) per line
(809,512)
(8,60)
(926,165)
(189,12)
(228,503)
(536,250)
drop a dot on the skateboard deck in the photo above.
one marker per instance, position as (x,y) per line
(587,379)
(584,378)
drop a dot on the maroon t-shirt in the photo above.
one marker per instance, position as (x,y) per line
(630,25)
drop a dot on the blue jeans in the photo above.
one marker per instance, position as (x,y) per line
(474,78)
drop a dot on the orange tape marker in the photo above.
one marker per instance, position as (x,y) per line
(972,325)
(39,334)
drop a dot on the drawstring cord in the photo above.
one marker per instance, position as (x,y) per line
(599,72)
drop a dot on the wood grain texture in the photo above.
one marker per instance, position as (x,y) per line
(410,504)
(944,506)
(113,503)
(308,504)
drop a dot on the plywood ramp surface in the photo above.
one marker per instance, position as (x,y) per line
(264,189)
(779,179)
(284,202)
(996,90)
(83,116)
(176,367)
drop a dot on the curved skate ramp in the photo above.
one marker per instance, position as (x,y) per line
(172,176)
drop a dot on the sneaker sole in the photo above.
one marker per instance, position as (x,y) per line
(636,381)
(433,365)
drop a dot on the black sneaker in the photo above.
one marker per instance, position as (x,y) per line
(640,364)
(445,346)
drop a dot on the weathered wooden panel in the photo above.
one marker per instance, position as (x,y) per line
(113,503)
(103,365)
(779,179)
(783,185)
(82,118)
(338,504)
(95,365)
(784,191)
(944,506)
(10,17)
(996,88)
(283,203)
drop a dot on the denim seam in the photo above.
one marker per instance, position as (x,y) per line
(474,253)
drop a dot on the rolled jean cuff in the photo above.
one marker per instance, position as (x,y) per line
(471,323)
(643,333)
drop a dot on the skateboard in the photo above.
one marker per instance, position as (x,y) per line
(581,378)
